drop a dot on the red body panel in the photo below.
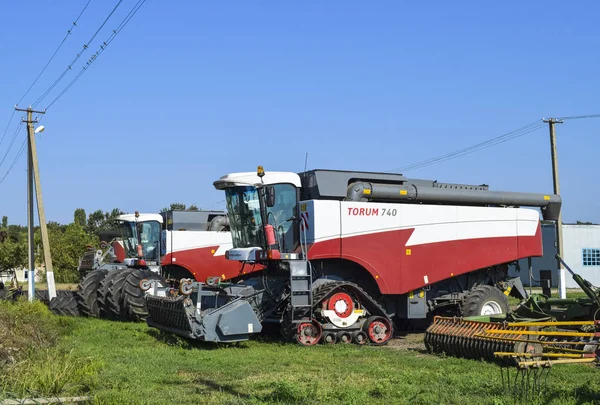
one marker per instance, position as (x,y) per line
(202,263)
(413,267)
(119,251)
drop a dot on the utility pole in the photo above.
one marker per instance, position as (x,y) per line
(559,235)
(33,176)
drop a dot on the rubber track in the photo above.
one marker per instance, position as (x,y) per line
(327,289)
(114,297)
(88,293)
(134,302)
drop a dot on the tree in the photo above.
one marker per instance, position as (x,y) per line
(66,246)
(79,217)
(102,221)
(13,255)
(4,222)
(180,207)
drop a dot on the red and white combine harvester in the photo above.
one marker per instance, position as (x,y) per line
(170,245)
(346,255)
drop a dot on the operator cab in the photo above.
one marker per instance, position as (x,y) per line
(263,214)
(141,235)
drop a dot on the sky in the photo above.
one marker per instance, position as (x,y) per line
(191,90)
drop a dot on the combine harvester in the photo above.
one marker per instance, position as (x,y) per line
(173,244)
(348,255)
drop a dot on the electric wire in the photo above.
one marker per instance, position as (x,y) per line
(85,47)
(577,117)
(11,143)
(7,126)
(15,160)
(55,52)
(524,130)
(103,46)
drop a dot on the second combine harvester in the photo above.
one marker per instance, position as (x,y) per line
(348,255)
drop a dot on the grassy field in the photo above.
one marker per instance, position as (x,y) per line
(118,363)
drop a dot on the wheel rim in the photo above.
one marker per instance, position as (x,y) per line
(379,331)
(342,304)
(491,308)
(308,333)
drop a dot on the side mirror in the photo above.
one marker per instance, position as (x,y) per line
(270,191)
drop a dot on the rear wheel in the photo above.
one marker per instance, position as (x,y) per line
(114,298)
(88,292)
(65,304)
(105,284)
(484,300)
(134,303)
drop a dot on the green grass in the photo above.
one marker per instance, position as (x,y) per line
(120,363)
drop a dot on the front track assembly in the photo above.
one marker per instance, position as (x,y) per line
(342,313)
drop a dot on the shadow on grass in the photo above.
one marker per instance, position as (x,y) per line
(171,339)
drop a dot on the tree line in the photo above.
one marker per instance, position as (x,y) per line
(68,242)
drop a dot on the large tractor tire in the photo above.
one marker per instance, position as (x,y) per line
(114,298)
(134,302)
(88,292)
(103,291)
(484,300)
(65,304)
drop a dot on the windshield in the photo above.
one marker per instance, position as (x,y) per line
(150,235)
(282,215)
(243,208)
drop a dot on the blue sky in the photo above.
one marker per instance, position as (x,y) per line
(191,90)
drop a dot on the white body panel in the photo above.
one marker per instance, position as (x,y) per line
(432,223)
(176,241)
(252,179)
(141,218)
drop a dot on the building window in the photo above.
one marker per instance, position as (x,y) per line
(591,257)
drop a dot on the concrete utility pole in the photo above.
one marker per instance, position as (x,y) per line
(559,236)
(33,175)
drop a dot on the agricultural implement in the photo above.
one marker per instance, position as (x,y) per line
(539,333)
(348,255)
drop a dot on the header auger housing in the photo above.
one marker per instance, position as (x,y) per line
(346,255)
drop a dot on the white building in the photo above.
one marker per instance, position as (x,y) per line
(581,251)
(581,245)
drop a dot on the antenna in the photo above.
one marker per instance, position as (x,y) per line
(305,161)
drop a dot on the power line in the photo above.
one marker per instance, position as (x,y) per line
(7,126)
(576,117)
(11,143)
(55,52)
(15,160)
(85,47)
(103,46)
(524,130)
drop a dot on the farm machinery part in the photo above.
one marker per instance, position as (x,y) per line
(231,312)
(539,333)
(347,254)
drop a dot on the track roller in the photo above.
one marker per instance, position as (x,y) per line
(344,337)
(360,337)
(329,338)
